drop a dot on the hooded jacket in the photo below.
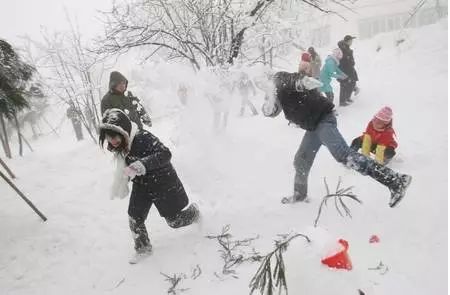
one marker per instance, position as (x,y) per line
(330,70)
(160,180)
(114,99)
(385,137)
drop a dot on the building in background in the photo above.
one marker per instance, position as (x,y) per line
(371,17)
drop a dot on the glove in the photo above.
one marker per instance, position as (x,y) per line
(135,169)
(146,120)
(342,76)
(311,83)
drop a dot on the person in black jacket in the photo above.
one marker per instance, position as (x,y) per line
(155,181)
(347,65)
(303,105)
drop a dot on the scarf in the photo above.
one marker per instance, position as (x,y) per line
(119,187)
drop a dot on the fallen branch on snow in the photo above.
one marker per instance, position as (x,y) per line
(267,279)
(338,200)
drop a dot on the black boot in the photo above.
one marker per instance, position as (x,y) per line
(396,182)
(140,236)
(185,217)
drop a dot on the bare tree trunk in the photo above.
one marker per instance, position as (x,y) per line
(84,122)
(33,129)
(6,147)
(236,43)
(438,9)
(53,129)
(271,57)
(11,174)
(2,140)
(18,134)
(264,50)
(26,141)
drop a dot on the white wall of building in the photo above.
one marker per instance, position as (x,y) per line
(368,18)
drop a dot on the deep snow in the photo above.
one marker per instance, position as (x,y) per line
(238,177)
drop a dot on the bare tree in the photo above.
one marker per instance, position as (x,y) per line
(197,31)
(209,32)
(73,74)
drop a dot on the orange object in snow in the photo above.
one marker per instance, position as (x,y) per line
(374,239)
(341,259)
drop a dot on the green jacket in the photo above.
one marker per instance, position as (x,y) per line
(114,99)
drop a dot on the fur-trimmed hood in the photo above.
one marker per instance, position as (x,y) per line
(116,120)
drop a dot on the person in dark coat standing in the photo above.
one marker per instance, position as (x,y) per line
(146,161)
(306,107)
(347,65)
(116,98)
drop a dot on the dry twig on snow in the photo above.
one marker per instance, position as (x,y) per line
(338,200)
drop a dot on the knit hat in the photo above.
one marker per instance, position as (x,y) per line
(306,57)
(116,120)
(385,114)
(337,53)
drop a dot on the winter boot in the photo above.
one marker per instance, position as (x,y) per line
(396,182)
(296,197)
(186,217)
(140,254)
(140,236)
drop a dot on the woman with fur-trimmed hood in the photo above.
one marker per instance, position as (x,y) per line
(144,160)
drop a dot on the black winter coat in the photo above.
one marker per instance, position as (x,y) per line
(347,63)
(304,108)
(161,178)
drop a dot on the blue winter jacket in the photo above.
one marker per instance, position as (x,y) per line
(329,70)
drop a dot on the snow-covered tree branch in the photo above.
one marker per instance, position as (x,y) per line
(205,33)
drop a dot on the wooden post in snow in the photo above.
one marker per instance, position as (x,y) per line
(11,174)
(42,216)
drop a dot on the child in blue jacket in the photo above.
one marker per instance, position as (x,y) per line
(331,70)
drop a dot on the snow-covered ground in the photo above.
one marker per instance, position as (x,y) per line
(238,178)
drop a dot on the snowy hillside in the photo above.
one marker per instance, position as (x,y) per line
(238,178)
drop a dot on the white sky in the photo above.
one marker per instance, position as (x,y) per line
(20,17)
